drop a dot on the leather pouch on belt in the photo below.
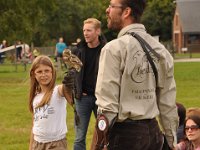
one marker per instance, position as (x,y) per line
(100,137)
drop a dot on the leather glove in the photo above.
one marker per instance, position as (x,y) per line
(68,80)
(68,87)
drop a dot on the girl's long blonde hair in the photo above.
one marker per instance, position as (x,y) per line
(34,85)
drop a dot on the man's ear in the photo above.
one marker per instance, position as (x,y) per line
(98,31)
(127,12)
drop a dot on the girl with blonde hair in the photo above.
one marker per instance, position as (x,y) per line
(47,103)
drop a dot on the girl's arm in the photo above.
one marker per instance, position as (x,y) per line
(31,136)
(31,141)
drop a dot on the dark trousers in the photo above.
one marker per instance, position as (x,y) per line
(136,135)
(85,106)
(18,54)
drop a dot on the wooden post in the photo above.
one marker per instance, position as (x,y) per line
(15,59)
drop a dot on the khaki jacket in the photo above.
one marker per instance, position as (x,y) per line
(126,83)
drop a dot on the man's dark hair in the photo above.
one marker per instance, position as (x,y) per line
(181,113)
(137,7)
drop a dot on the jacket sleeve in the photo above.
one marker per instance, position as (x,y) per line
(167,103)
(108,81)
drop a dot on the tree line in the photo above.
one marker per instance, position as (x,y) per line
(42,22)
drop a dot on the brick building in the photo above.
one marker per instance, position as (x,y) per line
(186,26)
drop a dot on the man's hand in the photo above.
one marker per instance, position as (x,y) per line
(100,136)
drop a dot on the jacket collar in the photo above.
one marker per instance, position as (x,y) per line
(130,28)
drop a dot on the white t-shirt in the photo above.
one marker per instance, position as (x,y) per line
(50,120)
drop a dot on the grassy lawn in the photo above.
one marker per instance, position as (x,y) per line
(187,55)
(15,124)
(187,77)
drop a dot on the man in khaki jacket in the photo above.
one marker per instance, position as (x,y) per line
(126,84)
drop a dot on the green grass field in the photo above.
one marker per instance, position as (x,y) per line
(187,76)
(15,119)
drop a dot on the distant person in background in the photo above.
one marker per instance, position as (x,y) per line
(182,115)
(19,51)
(35,53)
(78,40)
(73,46)
(26,52)
(3,45)
(60,46)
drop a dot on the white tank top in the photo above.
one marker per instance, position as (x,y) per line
(49,122)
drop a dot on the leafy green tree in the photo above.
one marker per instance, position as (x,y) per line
(42,22)
(158,18)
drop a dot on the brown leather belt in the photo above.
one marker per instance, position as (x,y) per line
(138,121)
